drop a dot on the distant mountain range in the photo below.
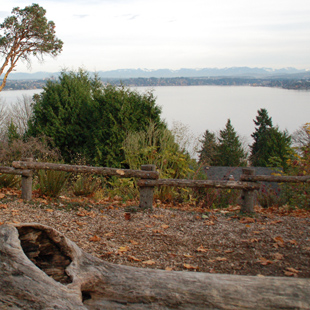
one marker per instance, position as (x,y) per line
(291,73)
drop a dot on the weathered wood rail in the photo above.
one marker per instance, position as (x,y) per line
(149,179)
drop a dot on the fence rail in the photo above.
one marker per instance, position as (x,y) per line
(149,179)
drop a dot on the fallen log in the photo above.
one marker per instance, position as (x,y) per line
(42,269)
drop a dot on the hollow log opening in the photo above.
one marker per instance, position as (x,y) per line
(45,253)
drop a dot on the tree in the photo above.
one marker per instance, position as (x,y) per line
(229,150)
(259,150)
(208,149)
(301,138)
(26,33)
(84,117)
(271,147)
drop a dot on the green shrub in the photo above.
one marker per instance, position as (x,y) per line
(51,182)
(123,187)
(85,185)
(9,180)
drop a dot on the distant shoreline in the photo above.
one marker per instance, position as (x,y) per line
(295,84)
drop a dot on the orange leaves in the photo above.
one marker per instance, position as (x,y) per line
(209,223)
(190,267)
(149,262)
(164,226)
(3,206)
(82,212)
(133,242)
(247,220)
(221,259)
(120,172)
(264,261)
(294,242)
(278,256)
(291,272)
(133,258)
(2,195)
(202,249)
(94,238)
(123,249)
(279,242)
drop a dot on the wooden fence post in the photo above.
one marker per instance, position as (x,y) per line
(147,192)
(27,182)
(247,195)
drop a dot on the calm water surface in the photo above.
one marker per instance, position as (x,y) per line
(209,107)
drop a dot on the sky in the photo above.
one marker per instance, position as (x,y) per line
(102,35)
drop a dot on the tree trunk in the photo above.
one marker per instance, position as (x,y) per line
(42,269)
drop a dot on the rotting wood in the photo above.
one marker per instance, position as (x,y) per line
(125,173)
(96,284)
(275,178)
(199,183)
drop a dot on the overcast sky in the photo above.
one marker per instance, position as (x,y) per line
(152,34)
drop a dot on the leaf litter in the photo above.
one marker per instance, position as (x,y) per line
(273,242)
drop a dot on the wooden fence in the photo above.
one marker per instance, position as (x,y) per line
(149,178)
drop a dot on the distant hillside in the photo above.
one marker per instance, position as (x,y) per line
(290,73)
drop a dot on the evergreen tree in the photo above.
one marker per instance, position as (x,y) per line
(12,133)
(259,149)
(86,118)
(271,147)
(229,151)
(208,149)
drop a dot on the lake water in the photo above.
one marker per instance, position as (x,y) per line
(209,107)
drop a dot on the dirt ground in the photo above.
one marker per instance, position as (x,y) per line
(272,242)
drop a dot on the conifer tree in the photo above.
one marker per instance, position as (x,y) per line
(208,149)
(229,151)
(271,147)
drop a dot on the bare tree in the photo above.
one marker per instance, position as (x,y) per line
(20,113)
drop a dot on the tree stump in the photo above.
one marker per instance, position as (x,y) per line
(42,269)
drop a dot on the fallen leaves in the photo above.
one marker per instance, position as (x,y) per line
(291,272)
(279,242)
(190,267)
(120,172)
(202,249)
(82,213)
(133,258)
(264,261)
(149,262)
(278,256)
(123,249)
(94,238)
(247,220)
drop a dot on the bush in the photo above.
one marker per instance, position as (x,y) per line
(51,182)
(85,185)
(32,147)
(268,196)
(9,180)
(84,117)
